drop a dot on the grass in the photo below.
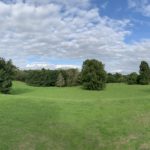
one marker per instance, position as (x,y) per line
(34,118)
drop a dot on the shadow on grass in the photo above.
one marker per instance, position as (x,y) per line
(20,91)
(146,91)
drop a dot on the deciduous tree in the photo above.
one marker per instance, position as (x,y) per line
(93,75)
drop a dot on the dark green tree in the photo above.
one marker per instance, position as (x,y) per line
(93,75)
(111,78)
(6,74)
(132,78)
(144,77)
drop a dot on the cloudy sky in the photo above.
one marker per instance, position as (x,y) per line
(63,33)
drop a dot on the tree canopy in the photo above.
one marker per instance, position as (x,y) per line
(144,77)
(93,75)
(6,74)
(132,78)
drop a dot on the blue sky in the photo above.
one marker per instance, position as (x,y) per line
(120,9)
(56,33)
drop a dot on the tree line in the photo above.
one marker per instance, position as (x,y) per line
(92,76)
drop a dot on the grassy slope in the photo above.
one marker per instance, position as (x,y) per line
(74,119)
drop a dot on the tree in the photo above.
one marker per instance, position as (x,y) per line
(93,75)
(144,77)
(111,78)
(60,80)
(19,75)
(6,74)
(132,78)
(72,77)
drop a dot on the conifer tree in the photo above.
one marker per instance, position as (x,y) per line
(6,72)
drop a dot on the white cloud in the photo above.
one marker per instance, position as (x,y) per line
(50,66)
(142,6)
(66,29)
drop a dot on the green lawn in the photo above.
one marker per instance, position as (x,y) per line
(35,118)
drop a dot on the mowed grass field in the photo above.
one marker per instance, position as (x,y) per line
(35,118)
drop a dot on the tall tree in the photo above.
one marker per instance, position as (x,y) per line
(6,73)
(93,75)
(144,77)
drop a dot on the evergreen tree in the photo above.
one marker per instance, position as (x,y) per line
(144,77)
(6,73)
(93,75)
(60,80)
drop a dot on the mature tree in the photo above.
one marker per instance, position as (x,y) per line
(60,80)
(6,73)
(93,75)
(144,77)
(132,78)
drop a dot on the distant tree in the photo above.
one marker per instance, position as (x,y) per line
(132,78)
(111,78)
(144,77)
(48,78)
(119,77)
(60,80)
(19,75)
(72,77)
(6,74)
(43,77)
(93,75)
(79,79)
(116,78)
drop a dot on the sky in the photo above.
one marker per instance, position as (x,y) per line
(63,33)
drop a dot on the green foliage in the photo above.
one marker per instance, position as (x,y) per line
(42,77)
(20,75)
(72,77)
(48,78)
(60,80)
(93,75)
(116,78)
(132,78)
(144,77)
(119,78)
(111,78)
(6,73)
